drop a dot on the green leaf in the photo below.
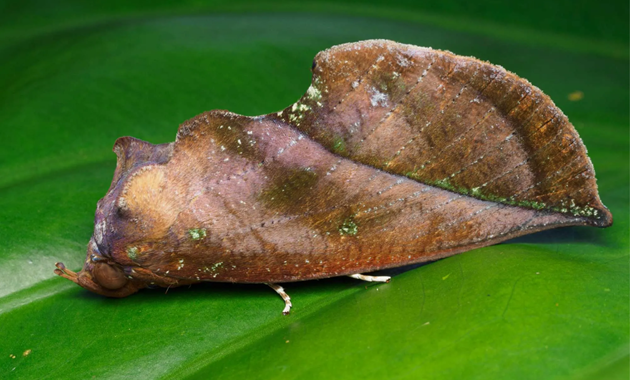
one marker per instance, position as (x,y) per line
(550,305)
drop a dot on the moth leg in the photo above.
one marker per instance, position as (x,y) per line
(364,277)
(285,297)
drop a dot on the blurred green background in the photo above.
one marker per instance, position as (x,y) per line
(74,76)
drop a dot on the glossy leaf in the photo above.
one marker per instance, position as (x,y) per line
(551,305)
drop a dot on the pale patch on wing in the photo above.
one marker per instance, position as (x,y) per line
(148,199)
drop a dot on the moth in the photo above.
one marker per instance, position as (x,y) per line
(396,154)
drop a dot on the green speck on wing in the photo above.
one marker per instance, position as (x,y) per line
(132,252)
(339,145)
(349,227)
(197,233)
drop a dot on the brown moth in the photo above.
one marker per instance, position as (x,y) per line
(395,155)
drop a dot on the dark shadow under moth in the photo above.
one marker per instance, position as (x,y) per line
(395,155)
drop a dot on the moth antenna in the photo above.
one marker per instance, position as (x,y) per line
(285,297)
(367,278)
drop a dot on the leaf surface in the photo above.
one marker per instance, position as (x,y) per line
(552,305)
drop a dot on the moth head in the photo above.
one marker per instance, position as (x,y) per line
(99,275)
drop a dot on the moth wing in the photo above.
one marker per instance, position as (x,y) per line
(449,121)
(395,154)
(254,200)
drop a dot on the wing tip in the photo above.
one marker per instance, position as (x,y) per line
(604,218)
